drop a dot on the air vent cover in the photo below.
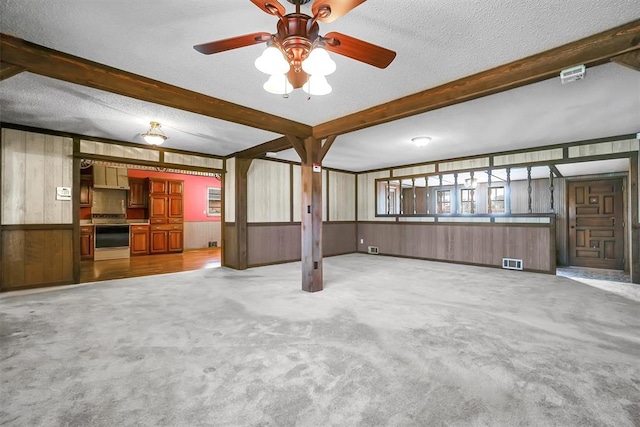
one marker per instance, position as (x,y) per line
(373,250)
(512,263)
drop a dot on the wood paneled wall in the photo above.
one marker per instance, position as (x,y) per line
(367,196)
(268,192)
(296,193)
(35,258)
(342,196)
(198,234)
(33,165)
(484,244)
(230,191)
(277,243)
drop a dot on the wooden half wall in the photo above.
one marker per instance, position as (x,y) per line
(477,244)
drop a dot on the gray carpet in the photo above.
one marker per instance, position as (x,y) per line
(388,342)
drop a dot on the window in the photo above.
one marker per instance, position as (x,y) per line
(443,201)
(214,202)
(468,201)
(496,200)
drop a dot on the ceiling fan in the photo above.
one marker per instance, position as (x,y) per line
(296,54)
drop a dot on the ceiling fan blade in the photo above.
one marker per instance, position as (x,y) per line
(270,6)
(297,79)
(358,49)
(338,8)
(232,43)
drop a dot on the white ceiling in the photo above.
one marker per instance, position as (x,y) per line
(437,41)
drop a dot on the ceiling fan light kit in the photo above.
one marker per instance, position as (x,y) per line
(296,53)
(154,135)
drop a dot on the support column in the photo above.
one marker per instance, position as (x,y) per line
(634,200)
(311,152)
(242,168)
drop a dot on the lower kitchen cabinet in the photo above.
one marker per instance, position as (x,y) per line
(86,242)
(139,239)
(166,238)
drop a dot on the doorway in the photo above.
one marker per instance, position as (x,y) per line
(596,224)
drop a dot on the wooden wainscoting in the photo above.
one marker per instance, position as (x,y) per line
(339,238)
(272,243)
(478,244)
(36,256)
(230,245)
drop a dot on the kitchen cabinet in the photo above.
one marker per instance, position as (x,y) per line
(86,242)
(139,240)
(166,238)
(166,215)
(86,194)
(138,193)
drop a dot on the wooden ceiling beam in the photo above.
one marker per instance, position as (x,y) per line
(592,50)
(9,70)
(630,59)
(58,65)
(258,151)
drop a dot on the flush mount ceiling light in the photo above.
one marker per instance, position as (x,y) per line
(421,141)
(297,53)
(154,135)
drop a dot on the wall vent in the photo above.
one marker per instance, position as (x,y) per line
(512,263)
(373,250)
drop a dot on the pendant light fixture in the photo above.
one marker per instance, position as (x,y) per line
(154,135)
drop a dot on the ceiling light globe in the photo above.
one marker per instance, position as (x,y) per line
(272,62)
(319,63)
(153,139)
(421,141)
(317,85)
(278,84)
(154,135)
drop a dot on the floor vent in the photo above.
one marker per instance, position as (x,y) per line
(512,264)
(373,250)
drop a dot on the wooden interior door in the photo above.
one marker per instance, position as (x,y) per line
(596,224)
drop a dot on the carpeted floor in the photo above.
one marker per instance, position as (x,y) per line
(388,342)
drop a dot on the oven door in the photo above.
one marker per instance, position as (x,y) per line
(112,236)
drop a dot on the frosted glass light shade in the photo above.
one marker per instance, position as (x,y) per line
(421,141)
(272,62)
(154,135)
(318,63)
(278,84)
(317,85)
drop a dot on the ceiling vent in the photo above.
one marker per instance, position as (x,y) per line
(572,74)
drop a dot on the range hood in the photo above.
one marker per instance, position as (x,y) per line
(110,177)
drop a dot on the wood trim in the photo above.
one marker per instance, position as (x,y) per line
(555,171)
(629,59)
(16,227)
(76,211)
(40,285)
(242,169)
(635,219)
(62,66)
(1,197)
(9,70)
(160,164)
(588,51)
(461,224)
(223,180)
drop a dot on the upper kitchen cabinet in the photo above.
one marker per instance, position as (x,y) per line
(110,177)
(167,206)
(157,186)
(138,193)
(175,187)
(85,191)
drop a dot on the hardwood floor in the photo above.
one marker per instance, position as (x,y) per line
(145,265)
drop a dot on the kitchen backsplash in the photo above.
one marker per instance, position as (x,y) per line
(109,201)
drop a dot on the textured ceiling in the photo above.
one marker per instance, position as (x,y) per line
(437,42)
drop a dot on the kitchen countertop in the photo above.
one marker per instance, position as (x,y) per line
(129,221)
